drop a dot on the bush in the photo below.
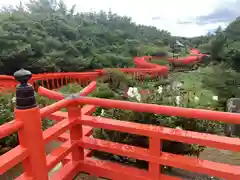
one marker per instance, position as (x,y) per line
(6,115)
(225,87)
(165,95)
(70,88)
(159,54)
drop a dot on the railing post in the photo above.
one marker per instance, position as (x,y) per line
(76,132)
(31,136)
(155,148)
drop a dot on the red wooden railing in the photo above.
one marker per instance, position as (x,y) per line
(75,151)
(74,128)
(143,67)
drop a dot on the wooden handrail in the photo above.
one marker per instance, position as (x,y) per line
(171,134)
(9,128)
(203,114)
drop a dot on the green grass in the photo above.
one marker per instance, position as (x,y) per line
(193,83)
(163,62)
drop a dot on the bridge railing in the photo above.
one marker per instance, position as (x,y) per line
(155,133)
(59,79)
(153,155)
(74,129)
(32,140)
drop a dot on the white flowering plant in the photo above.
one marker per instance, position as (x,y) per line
(173,94)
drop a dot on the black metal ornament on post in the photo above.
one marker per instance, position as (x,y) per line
(25,98)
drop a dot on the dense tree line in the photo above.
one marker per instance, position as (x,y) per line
(47,37)
(223,45)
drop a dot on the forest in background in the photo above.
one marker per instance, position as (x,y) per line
(44,37)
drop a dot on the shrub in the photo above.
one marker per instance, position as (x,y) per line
(6,115)
(7,105)
(70,88)
(166,94)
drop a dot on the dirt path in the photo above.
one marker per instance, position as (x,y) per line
(211,154)
(221,156)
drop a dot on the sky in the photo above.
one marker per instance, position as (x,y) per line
(186,18)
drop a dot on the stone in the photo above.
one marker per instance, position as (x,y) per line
(233,105)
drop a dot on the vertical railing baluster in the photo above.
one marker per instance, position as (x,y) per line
(76,132)
(58,83)
(155,149)
(48,85)
(53,83)
(62,82)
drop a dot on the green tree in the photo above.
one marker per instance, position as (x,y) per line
(49,37)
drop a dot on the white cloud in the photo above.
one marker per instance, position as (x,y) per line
(168,12)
